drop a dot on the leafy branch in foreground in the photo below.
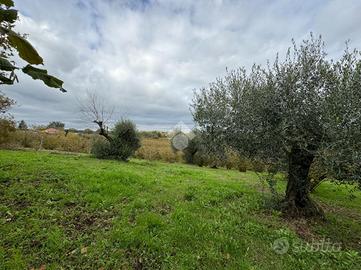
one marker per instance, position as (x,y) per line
(11,41)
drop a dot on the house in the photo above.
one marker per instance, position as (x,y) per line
(51,131)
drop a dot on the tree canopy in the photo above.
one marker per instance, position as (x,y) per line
(5,103)
(56,124)
(22,125)
(304,107)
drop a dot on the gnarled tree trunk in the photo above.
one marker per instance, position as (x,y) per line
(298,202)
(102,130)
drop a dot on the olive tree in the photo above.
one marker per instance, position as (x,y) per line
(304,107)
(123,144)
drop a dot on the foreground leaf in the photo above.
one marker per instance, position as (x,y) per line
(6,65)
(5,80)
(25,49)
(42,74)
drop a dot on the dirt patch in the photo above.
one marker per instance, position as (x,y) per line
(7,182)
(20,204)
(140,258)
(163,208)
(303,228)
(80,219)
(16,204)
(342,211)
(135,260)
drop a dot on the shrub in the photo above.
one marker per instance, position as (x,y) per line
(123,143)
(200,159)
(30,138)
(50,142)
(191,150)
(7,128)
(152,134)
(158,149)
(233,160)
(258,165)
(101,148)
(75,143)
(196,153)
(242,165)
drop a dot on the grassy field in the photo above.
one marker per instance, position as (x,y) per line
(74,212)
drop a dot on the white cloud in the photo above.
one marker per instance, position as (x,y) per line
(146,57)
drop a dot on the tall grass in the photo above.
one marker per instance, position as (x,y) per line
(158,149)
(72,142)
(154,146)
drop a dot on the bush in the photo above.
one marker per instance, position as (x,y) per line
(152,134)
(233,160)
(191,150)
(196,153)
(242,165)
(50,142)
(123,143)
(258,166)
(101,148)
(74,142)
(7,129)
(200,159)
(158,149)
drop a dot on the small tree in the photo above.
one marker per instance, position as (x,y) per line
(289,114)
(123,144)
(22,125)
(7,124)
(56,124)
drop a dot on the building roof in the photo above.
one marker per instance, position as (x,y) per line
(51,130)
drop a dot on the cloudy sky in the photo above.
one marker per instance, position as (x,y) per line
(146,57)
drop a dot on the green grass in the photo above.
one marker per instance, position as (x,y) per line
(76,212)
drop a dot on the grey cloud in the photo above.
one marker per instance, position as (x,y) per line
(146,57)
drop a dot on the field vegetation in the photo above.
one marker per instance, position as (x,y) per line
(72,211)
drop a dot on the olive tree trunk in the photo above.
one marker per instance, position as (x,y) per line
(298,202)
(102,130)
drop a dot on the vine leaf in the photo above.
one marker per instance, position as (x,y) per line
(5,80)
(42,74)
(6,65)
(25,49)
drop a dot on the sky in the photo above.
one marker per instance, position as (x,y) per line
(146,58)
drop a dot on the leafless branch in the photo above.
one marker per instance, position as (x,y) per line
(94,109)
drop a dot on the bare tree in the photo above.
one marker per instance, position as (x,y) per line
(94,109)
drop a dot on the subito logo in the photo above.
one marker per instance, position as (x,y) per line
(281,246)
